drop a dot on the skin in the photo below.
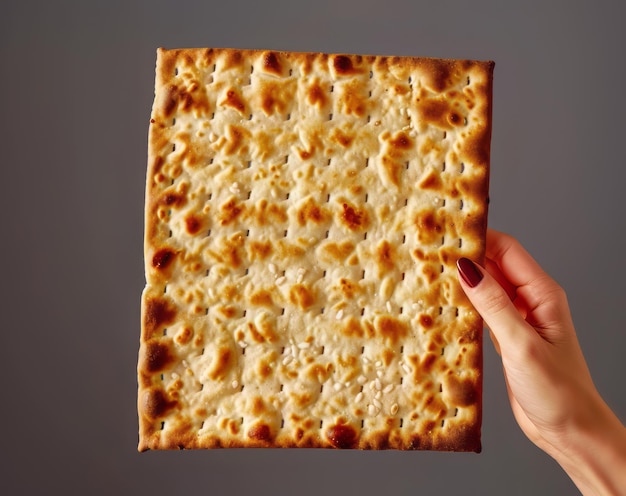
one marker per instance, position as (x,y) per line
(550,388)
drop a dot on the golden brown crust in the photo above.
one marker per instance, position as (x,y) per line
(304,214)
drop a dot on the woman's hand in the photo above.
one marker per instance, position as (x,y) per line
(550,388)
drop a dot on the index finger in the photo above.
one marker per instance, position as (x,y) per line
(515,263)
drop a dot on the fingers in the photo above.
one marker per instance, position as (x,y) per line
(515,263)
(494,305)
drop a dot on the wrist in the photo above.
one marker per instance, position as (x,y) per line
(593,451)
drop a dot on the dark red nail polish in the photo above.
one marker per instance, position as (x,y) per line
(469,272)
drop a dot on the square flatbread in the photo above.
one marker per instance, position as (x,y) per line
(304,213)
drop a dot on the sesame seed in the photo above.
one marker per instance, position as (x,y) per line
(212,137)
(406,368)
(379,373)
(388,304)
(273,193)
(337,386)
(212,293)
(235,384)
(372,385)
(175,375)
(394,409)
(272,268)
(378,395)
(287,360)
(402,111)
(371,409)
(377,403)
(294,350)
(243,344)
(234,188)
(304,345)
(361,379)
(185,364)
(359,397)
(339,314)
(378,364)
(365,359)
(287,351)
(281,280)
(388,388)
(377,384)
(347,384)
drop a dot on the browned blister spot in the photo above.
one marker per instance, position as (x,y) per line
(230,211)
(156,355)
(318,372)
(391,329)
(259,249)
(462,392)
(267,213)
(401,141)
(193,224)
(476,148)
(174,199)
(272,63)
(385,256)
(352,328)
(338,251)
(344,66)
(262,298)
(260,432)
(264,368)
(353,99)
(341,138)
(156,403)
(426,321)
(234,100)
(348,288)
(356,219)
(221,364)
(276,96)
(316,95)
(310,211)
(184,336)
(430,226)
(227,311)
(163,258)
(187,99)
(342,436)
(159,312)
(288,250)
(301,296)
(237,140)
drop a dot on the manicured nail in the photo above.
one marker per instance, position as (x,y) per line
(469,272)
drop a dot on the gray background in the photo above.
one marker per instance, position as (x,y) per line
(75,97)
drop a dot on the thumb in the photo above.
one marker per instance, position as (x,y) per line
(493,304)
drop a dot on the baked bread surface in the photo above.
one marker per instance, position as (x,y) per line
(304,214)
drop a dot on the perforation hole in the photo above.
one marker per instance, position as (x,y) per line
(403,238)
(282,422)
(175,71)
(456,412)
(285,234)
(324,274)
(443,422)
(371,74)
(287,196)
(247,235)
(365,235)
(362,313)
(288,117)
(330,116)
(443,167)
(401,310)
(282,311)
(328,163)
(369,118)
(322,310)
(456,312)
(362,423)
(326,235)
(440,388)
(208,234)
(162,425)
(366,197)
(363,274)
(401,422)
(321,423)
(407,165)
(460,204)
(460,242)
(462,168)
(403,276)
(322,350)
(445,134)
(332,88)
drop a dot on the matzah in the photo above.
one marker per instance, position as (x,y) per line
(304,214)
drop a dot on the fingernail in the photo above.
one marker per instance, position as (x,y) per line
(469,272)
